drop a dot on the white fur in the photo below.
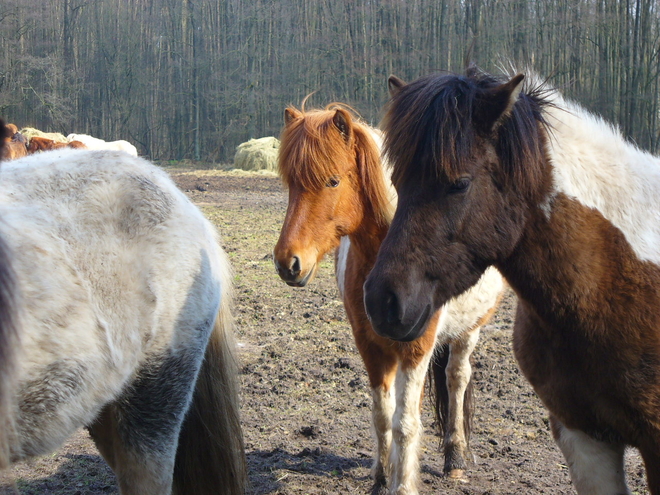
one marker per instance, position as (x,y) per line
(459,373)
(596,468)
(340,264)
(384,405)
(594,164)
(115,266)
(93,143)
(407,428)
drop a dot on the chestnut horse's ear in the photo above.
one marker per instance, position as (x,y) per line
(394,84)
(342,121)
(498,103)
(291,114)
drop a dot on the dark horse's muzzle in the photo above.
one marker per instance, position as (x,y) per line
(393,314)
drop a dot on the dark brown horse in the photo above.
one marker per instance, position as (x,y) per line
(493,173)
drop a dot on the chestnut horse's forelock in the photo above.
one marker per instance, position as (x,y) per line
(312,146)
(432,125)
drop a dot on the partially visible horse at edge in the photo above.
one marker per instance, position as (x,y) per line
(340,197)
(493,171)
(115,314)
(14,144)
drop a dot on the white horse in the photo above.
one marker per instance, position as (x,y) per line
(119,294)
(93,143)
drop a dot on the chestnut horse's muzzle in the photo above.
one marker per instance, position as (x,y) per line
(291,272)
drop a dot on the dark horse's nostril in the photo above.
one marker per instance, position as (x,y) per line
(295,266)
(392,305)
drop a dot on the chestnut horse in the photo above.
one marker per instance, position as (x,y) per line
(340,195)
(14,143)
(115,315)
(37,144)
(493,173)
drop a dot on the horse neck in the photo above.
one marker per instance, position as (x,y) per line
(377,213)
(593,163)
(593,242)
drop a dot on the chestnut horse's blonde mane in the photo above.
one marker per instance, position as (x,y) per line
(312,149)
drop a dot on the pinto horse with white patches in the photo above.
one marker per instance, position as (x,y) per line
(115,300)
(340,196)
(492,173)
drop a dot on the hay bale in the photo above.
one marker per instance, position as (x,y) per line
(30,132)
(257,154)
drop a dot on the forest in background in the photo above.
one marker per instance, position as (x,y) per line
(192,79)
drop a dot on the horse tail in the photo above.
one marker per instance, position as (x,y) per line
(211,455)
(8,337)
(439,393)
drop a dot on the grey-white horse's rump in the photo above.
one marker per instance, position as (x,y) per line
(120,296)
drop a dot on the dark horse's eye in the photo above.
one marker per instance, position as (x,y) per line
(333,181)
(461,185)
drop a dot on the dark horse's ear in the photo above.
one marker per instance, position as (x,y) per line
(498,102)
(394,84)
(291,114)
(342,121)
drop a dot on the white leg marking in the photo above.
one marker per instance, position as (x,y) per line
(458,373)
(407,428)
(381,416)
(596,467)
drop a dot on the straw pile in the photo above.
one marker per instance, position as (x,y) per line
(257,154)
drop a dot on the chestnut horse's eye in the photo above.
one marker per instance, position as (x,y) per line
(461,185)
(333,181)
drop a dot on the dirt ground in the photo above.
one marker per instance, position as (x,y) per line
(305,397)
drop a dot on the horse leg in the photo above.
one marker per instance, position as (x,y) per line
(596,467)
(138,433)
(457,431)
(381,369)
(407,423)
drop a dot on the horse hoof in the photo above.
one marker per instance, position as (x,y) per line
(378,489)
(458,475)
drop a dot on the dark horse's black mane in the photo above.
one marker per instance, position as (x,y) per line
(432,124)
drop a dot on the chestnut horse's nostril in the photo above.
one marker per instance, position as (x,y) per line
(295,266)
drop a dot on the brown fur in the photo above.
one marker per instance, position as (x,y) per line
(587,332)
(43,144)
(77,145)
(12,150)
(13,144)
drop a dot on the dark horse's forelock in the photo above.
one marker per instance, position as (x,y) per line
(431,127)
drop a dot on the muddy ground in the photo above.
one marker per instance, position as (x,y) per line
(305,397)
